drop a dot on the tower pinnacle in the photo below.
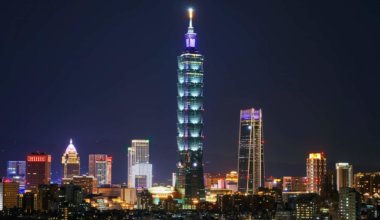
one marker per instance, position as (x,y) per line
(190,36)
(190,10)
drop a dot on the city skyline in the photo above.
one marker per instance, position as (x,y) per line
(84,86)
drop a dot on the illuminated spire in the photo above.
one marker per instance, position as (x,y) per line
(71,147)
(190,35)
(190,10)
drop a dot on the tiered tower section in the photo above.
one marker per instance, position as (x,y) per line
(190,121)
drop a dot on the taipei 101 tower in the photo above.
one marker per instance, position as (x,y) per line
(189,181)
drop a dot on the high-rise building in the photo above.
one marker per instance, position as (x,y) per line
(344,175)
(16,171)
(251,151)
(349,203)
(8,194)
(139,168)
(71,161)
(190,182)
(100,166)
(38,170)
(315,171)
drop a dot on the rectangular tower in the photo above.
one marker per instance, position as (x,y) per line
(38,170)
(16,171)
(251,151)
(344,175)
(315,171)
(100,166)
(139,168)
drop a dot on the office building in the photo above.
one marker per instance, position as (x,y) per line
(100,166)
(47,197)
(307,206)
(349,203)
(367,184)
(344,175)
(38,170)
(9,192)
(71,161)
(88,184)
(294,184)
(251,151)
(139,168)
(16,171)
(190,110)
(142,175)
(315,170)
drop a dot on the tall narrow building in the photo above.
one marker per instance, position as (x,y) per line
(100,166)
(16,171)
(251,151)
(139,168)
(71,161)
(190,110)
(344,175)
(38,170)
(315,171)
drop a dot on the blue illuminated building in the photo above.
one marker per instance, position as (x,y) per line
(251,151)
(189,180)
(16,172)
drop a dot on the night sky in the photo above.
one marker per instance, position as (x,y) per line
(104,73)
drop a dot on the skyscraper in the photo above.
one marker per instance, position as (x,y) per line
(16,170)
(344,175)
(139,168)
(251,151)
(315,171)
(8,194)
(190,182)
(71,161)
(38,170)
(100,166)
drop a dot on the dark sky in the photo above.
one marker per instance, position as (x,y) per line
(104,72)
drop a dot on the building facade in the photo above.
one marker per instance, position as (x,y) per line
(16,171)
(294,184)
(8,194)
(100,166)
(349,203)
(315,171)
(344,175)
(251,151)
(190,111)
(139,168)
(367,184)
(38,170)
(71,161)
(88,184)
(307,206)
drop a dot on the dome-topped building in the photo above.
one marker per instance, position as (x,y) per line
(71,161)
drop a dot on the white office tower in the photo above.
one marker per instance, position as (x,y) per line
(139,168)
(344,175)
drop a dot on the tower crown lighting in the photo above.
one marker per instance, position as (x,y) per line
(315,156)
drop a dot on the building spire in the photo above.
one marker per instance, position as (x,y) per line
(71,141)
(190,35)
(190,10)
